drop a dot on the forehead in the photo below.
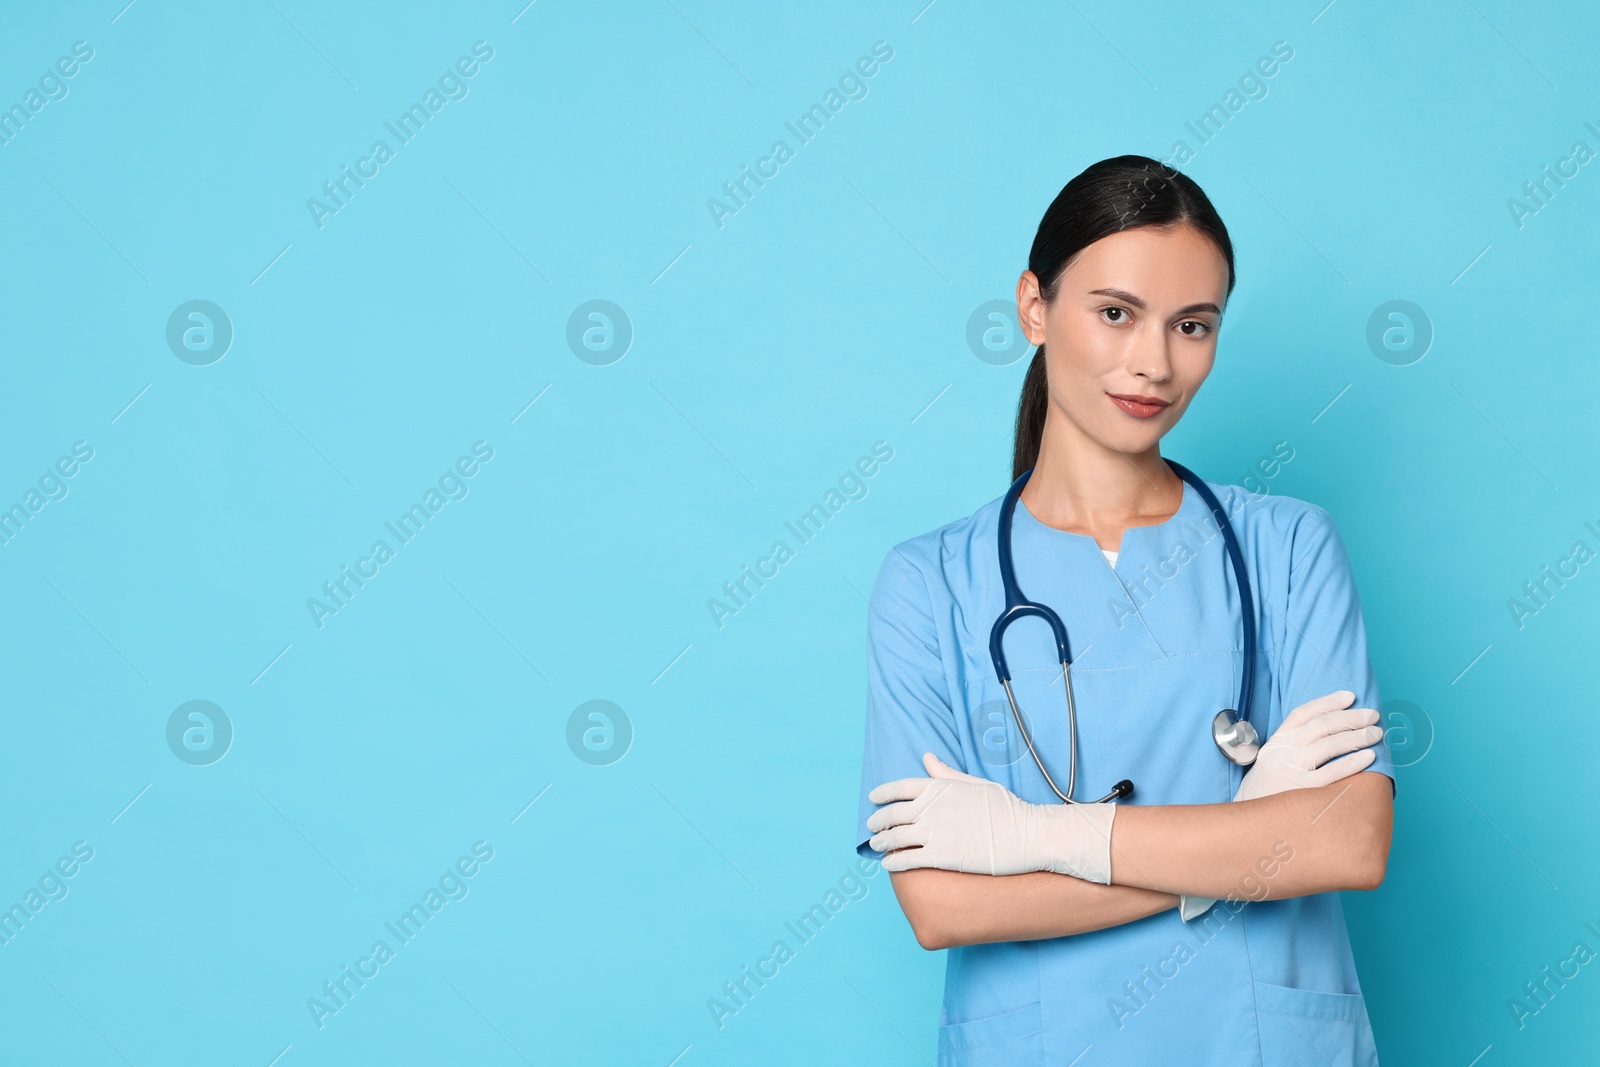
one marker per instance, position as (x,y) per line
(1173,266)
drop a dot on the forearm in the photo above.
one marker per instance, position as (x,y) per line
(949,908)
(1337,835)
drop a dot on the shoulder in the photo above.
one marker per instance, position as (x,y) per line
(1269,510)
(929,564)
(1292,528)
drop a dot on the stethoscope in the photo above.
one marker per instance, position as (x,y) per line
(1230,729)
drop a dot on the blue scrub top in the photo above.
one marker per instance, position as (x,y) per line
(1157,650)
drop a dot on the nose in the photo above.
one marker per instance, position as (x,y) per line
(1149,356)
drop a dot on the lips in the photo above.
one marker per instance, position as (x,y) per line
(1140,407)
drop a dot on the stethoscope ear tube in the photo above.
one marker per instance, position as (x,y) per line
(1247,608)
(997,651)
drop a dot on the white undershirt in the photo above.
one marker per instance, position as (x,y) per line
(1111,557)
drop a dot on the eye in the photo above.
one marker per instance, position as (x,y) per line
(1116,311)
(1195,322)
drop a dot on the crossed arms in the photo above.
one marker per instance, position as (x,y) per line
(1334,837)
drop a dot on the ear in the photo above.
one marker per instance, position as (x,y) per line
(1030,303)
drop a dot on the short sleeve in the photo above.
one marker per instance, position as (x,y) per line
(1326,641)
(908,698)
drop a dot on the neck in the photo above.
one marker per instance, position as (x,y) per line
(1083,486)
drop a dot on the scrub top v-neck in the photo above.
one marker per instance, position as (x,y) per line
(1156,645)
(1109,553)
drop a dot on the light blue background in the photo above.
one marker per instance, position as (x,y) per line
(769,354)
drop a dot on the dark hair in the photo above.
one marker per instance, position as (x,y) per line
(1113,195)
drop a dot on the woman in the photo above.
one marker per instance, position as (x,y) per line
(1197,921)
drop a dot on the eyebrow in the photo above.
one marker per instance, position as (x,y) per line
(1127,297)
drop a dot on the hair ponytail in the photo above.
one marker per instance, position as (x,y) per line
(1110,196)
(1030,417)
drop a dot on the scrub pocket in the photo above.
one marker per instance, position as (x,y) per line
(1013,1037)
(1302,1026)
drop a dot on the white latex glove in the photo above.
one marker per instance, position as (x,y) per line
(958,822)
(1301,753)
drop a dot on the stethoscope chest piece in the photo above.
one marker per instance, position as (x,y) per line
(1235,737)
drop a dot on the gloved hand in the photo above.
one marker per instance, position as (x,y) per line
(1297,754)
(1300,755)
(958,822)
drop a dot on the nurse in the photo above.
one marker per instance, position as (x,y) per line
(1197,921)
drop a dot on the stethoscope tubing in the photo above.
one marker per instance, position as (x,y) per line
(1018,606)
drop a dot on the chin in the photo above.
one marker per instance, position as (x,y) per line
(1135,444)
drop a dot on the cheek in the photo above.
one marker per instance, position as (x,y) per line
(1075,381)
(1193,367)
(1084,352)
